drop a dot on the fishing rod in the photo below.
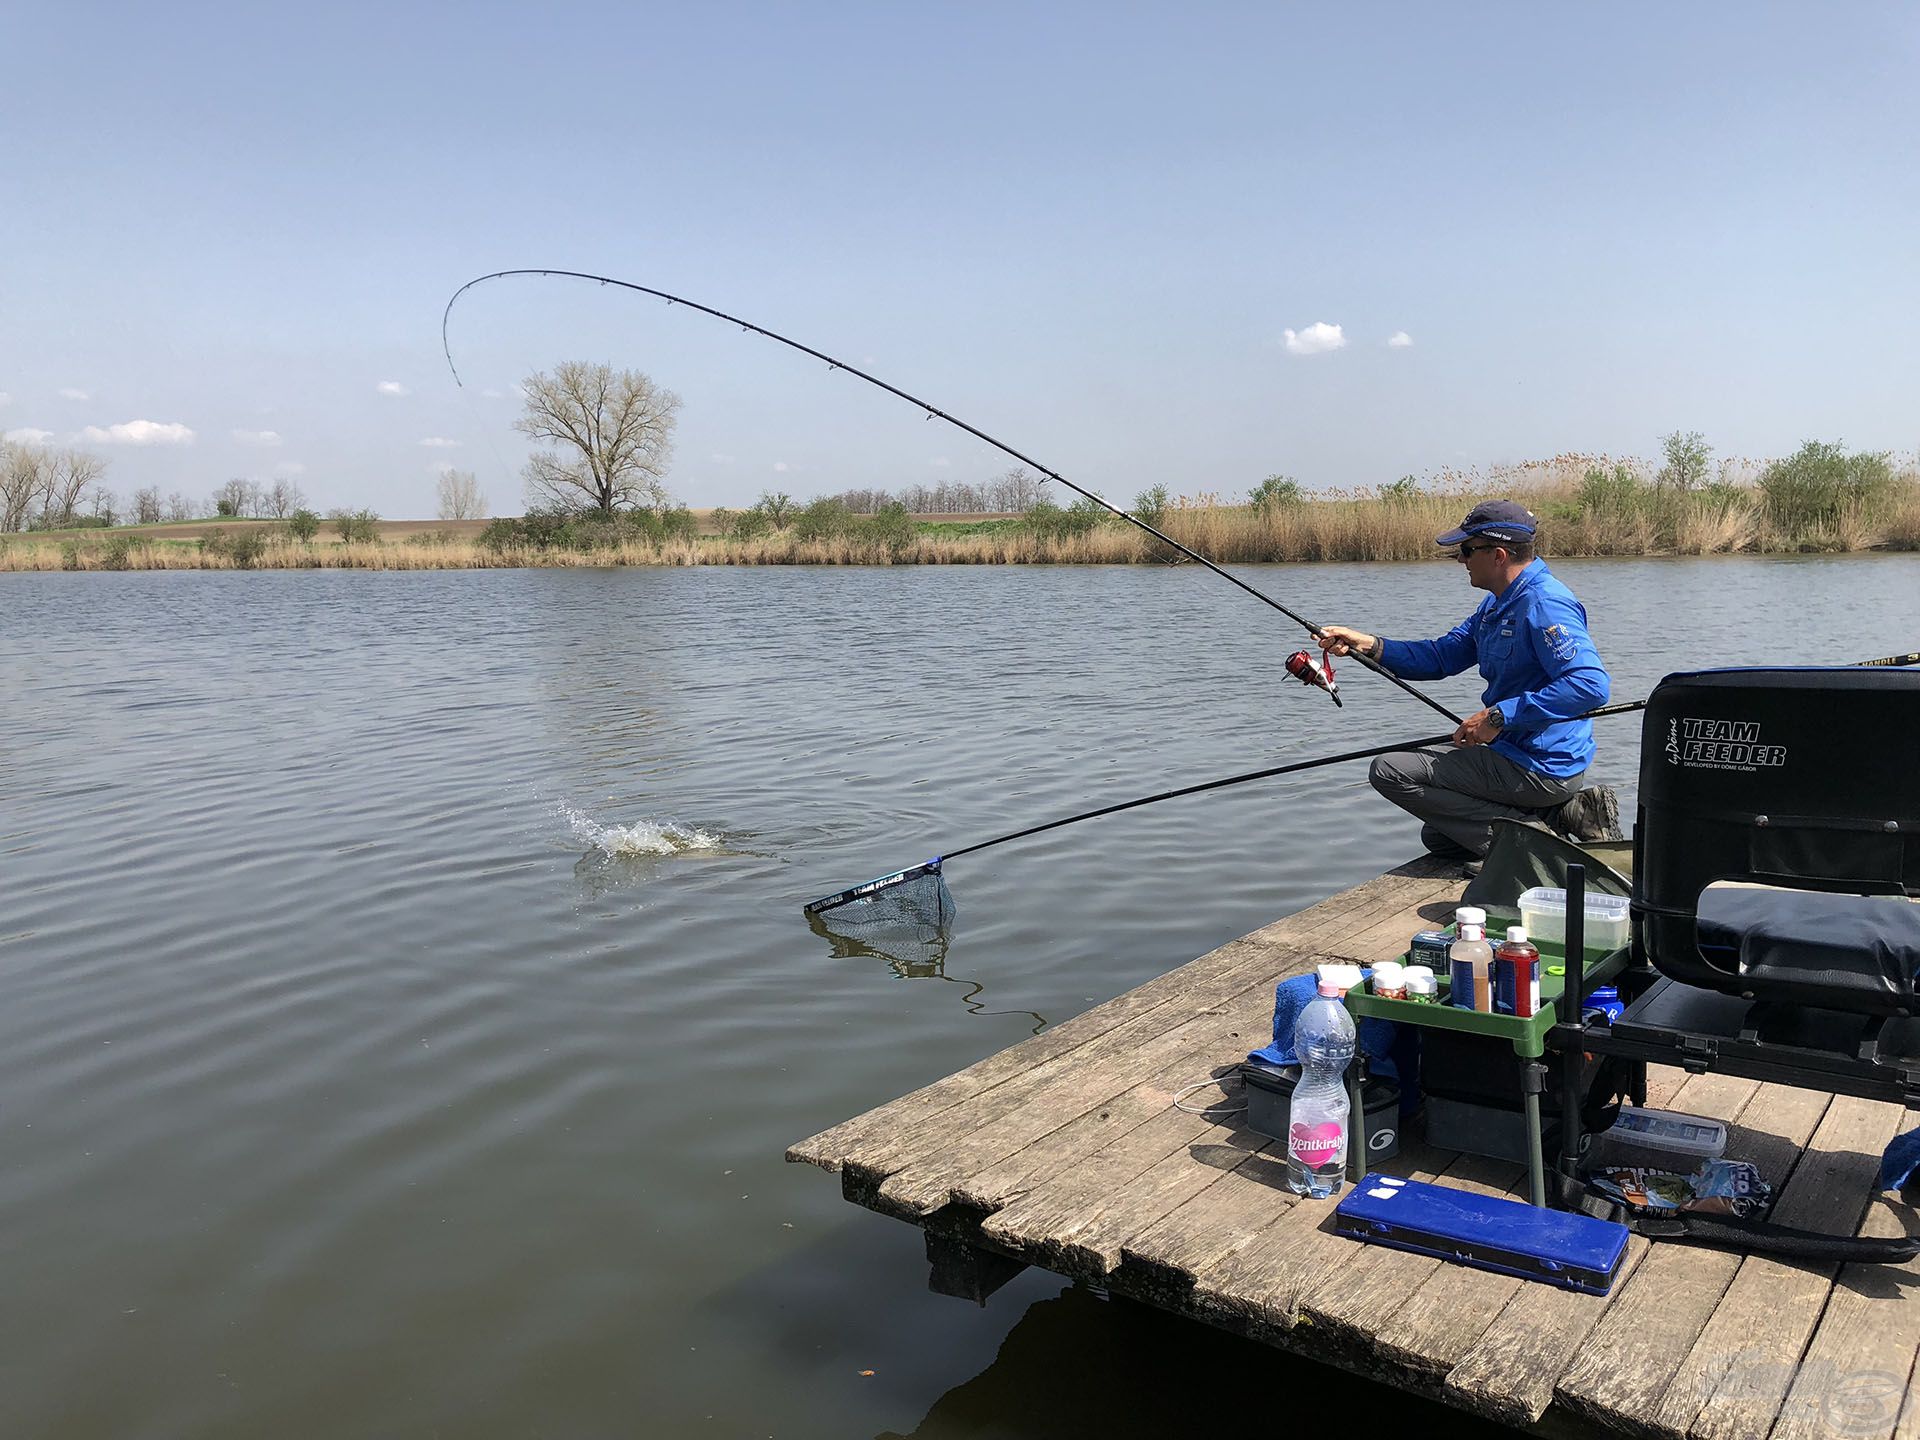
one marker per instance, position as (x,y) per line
(931,868)
(933,413)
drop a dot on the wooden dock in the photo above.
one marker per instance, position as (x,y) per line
(1065,1152)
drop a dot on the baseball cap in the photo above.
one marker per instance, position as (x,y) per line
(1495,519)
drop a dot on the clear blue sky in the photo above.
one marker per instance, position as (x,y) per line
(1086,229)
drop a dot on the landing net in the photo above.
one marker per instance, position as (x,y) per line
(907,908)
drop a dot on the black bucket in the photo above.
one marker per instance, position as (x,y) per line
(1270,1098)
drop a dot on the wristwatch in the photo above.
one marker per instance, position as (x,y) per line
(1496,717)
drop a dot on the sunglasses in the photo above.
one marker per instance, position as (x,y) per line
(1465,551)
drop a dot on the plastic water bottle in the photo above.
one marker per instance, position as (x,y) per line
(1323,1039)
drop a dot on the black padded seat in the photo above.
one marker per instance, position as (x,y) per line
(1852,952)
(1793,780)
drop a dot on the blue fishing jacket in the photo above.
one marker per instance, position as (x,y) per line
(1541,669)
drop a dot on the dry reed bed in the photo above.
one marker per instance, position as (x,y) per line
(1318,530)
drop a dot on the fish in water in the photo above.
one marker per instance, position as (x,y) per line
(643,837)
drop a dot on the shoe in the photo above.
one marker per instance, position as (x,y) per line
(1471,869)
(1591,814)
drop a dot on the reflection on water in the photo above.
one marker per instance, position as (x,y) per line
(912,951)
(1073,1365)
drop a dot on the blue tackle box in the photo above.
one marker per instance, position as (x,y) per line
(1489,1232)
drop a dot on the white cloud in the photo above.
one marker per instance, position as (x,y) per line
(265,439)
(28,436)
(717,458)
(1399,340)
(139,432)
(1316,339)
(5,398)
(493,394)
(440,442)
(940,462)
(290,468)
(779,467)
(391,387)
(71,394)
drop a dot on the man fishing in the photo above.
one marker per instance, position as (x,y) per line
(1525,755)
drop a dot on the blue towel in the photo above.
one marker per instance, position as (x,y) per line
(1900,1160)
(1390,1052)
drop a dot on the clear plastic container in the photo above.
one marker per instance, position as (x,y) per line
(1544,913)
(1664,1139)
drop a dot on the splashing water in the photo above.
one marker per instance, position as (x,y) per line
(644,837)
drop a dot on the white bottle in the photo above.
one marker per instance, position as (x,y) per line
(1323,1041)
(1470,961)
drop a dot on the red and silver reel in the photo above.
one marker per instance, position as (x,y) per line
(1315,670)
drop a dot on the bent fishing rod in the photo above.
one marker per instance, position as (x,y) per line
(932,413)
(932,867)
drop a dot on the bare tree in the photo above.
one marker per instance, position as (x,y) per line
(232,498)
(179,507)
(460,497)
(20,483)
(614,433)
(282,500)
(64,482)
(1016,490)
(146,505)
(865,502)
(106,505)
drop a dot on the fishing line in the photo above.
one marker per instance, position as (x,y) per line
(932,413)
(920,892)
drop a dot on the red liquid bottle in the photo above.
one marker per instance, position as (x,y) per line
(1516,975)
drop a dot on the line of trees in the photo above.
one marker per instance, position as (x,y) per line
(45,489)
(1005,494)
(42,488)
(249,499)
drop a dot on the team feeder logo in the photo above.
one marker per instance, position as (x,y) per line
(1720,745)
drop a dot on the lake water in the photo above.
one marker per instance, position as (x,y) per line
(349,1086)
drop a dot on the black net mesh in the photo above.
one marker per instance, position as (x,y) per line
(915,909)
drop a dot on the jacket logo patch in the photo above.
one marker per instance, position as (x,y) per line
(1560,641)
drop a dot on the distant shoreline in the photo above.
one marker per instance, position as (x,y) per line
(1723,521)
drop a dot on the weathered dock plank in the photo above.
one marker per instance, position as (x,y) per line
(1104,1216)
(1078,1110)
(1097,1246)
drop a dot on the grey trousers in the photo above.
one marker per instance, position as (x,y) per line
(1459,793)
